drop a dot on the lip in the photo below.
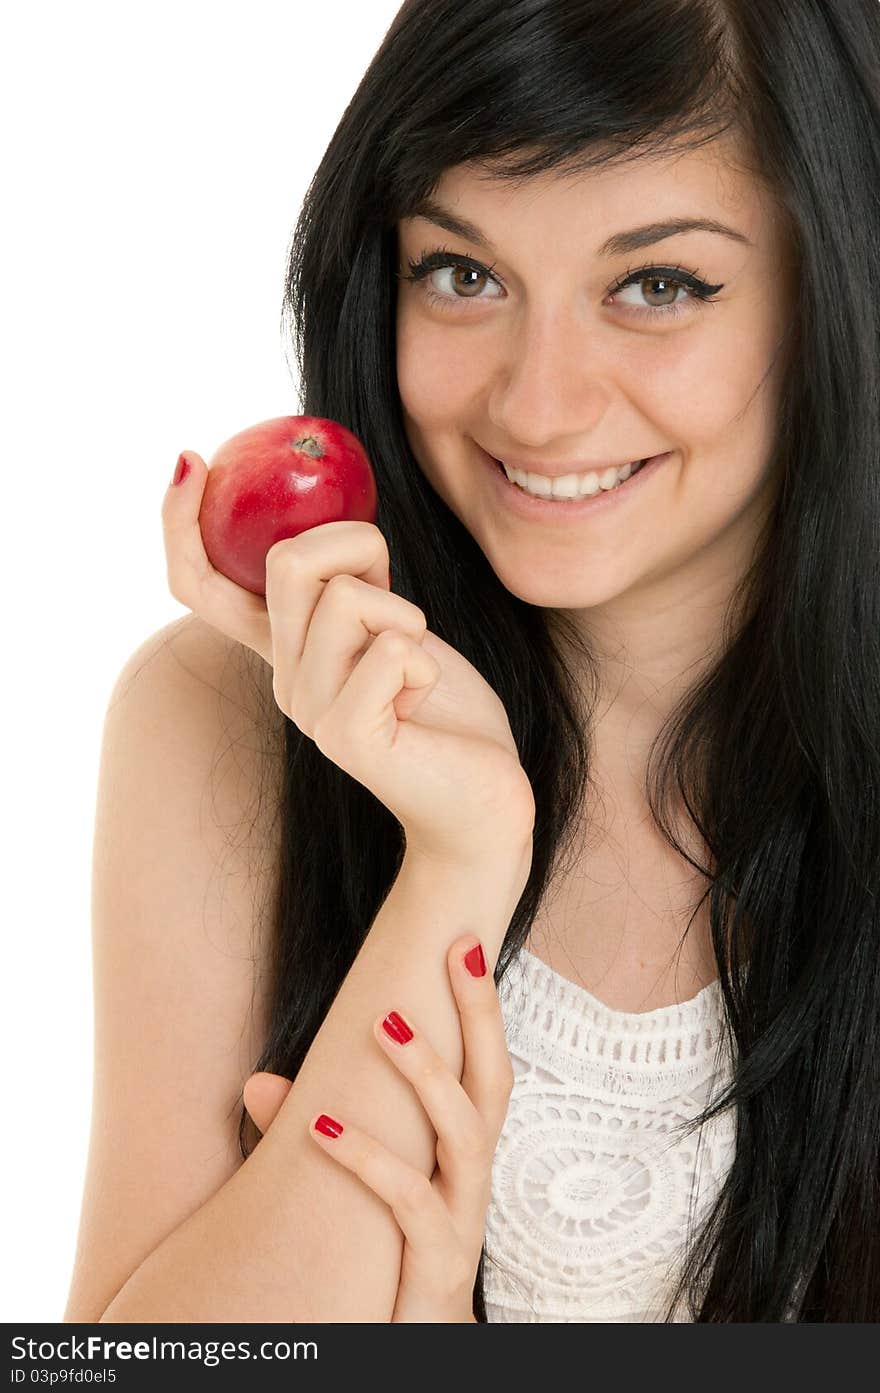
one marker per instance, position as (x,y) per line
(558,510)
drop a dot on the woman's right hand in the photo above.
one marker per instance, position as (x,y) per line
(356,669)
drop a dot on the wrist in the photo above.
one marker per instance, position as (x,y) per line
(508,863)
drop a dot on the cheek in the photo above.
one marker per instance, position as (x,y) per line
(718,395)
(696,383)
(432,400)
(431,383)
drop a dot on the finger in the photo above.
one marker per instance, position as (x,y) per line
(263,1095)
(418,1209)
(194,581)
(389,683)
(347,617)
(464,1145)
(487,1076)
(298,568)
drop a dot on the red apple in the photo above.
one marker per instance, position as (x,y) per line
(275,480)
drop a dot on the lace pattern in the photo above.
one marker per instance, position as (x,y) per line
(594,1194)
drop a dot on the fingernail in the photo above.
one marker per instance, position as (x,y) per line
(181,471)
(475,962)
(397,1028)
(328,1126)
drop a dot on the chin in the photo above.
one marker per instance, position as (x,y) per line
(549,592)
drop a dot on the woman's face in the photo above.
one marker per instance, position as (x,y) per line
(538,363)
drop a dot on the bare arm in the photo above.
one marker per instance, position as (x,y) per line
(174,1226)
(290,1236)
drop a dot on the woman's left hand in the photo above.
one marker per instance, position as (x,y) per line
(442,1219)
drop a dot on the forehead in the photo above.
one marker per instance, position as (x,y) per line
(713,181)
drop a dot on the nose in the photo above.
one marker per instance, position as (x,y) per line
(550,383)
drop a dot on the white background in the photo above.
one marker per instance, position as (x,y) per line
(155,159)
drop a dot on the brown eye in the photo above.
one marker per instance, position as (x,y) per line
(455,281)
(466,279)
(463,279)
(661,289)
(662,292)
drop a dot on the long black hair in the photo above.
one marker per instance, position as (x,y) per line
(776,751)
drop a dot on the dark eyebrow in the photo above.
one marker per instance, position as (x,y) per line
(617,245)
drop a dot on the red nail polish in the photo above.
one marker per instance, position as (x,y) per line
(475,962)
(181,471)
(397,1028)
(328,1126)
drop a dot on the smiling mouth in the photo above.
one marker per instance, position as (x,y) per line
(570,487)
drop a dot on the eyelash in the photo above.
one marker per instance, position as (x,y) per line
(701,293)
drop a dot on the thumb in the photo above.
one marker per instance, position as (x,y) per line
(263,1095)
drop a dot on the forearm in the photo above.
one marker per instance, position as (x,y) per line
(292,1236)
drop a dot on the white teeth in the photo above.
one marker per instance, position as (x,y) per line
(570,485)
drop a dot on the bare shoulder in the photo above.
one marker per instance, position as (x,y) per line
(190,649)
(186,860)
(198,708)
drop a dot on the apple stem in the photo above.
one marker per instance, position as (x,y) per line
(309,446)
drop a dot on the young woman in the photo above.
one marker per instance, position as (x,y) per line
(595,284)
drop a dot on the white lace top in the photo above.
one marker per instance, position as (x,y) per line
(591,1192)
